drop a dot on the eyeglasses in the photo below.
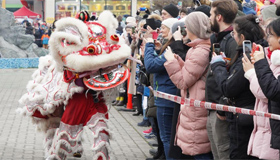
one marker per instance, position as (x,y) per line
(232,33)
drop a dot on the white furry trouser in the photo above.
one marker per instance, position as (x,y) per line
(67,140)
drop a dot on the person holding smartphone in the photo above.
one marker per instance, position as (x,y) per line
(154,64)
(189,76)
(263,74)
(235,87)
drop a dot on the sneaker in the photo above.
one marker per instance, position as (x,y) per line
(144,123)
(153,143)
(150,135)
(153,151)
(147,131)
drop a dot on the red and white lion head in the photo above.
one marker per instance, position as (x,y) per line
(91,48)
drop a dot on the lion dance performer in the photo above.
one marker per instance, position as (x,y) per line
(72,85)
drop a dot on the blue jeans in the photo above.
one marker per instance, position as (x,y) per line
(164,118)
(206,156)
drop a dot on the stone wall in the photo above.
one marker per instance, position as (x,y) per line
(14,43)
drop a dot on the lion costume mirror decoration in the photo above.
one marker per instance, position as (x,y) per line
(75,83)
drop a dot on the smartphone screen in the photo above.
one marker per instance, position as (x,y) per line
(216,48)
(183,31)
(247,47)
(142,8)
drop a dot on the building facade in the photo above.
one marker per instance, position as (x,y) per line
(56,9)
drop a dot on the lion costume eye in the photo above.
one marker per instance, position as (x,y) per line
(91,49)
(94,49)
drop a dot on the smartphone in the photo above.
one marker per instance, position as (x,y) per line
(133,30)
(247,47)
(216,48)
(183,31)
(152,23)
(142,8)
(155,35)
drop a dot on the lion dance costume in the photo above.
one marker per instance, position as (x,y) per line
(74,84)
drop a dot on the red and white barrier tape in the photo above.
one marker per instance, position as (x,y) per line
(213,106)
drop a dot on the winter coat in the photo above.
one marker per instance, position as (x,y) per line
(154,64)
(212,91)
(259,144)
(188,76)
(235,86)
(269,82)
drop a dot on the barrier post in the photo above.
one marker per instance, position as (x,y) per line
(129,106)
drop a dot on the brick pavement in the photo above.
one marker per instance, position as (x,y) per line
(19,141)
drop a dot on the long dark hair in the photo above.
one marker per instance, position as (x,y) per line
(248,26)
(274,26)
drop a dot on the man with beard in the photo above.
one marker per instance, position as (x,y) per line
(277,3)
(222,15)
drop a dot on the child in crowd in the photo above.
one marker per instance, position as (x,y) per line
(45,39)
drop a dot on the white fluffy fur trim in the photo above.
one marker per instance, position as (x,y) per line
(98,131)
(107,19)
(275,57)
(109,95)
(60,25)
(88,63)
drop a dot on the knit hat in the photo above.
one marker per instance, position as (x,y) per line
(130,19)
(269,12)
(205,9)
(156,12)
(130,25)
(198,24)
(172,10)
(248,10)
(169,22)
(272,1)
(250,4)
(175,26)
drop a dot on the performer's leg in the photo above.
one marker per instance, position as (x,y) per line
(68,136)
(97,123)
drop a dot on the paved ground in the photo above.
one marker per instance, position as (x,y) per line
(19,141)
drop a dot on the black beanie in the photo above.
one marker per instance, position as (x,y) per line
(172,10)
(205,9)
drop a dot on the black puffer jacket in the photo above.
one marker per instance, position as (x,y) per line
(212,92)
(271,89)
(235,86)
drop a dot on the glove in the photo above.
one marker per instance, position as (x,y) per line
(218,58)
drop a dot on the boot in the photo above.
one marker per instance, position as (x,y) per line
(153,151)
(121,102)
(116,101)
(144,123)
(137,114)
